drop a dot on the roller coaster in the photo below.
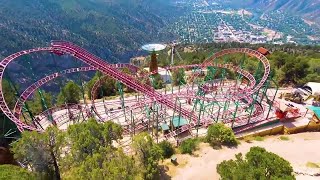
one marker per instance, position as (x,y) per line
(241,102)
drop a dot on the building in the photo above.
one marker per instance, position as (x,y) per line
(313,87)
(263,51)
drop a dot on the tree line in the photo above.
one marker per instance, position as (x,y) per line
(92,150)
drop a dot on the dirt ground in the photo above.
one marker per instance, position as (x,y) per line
(299,150)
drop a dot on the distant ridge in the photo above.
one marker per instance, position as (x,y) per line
(308,9)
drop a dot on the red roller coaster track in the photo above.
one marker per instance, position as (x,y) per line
(95,63)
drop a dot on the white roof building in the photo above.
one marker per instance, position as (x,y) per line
(314,87)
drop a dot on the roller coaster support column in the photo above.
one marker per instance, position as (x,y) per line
(235,113)
(147,111)
(223,73)
(83,96)
(25,105)
(101,92)
(264,91)
(274,97)
(255,96)
(258,73)
(43,102)
(120,89)
(157,128)
(174,111)
(241,66)
(132,125)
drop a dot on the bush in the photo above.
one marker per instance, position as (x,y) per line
(167,149)
(188,146)
(257,164)
(284,138)
(248,139)
(15,172)
(259,138)
(218,134)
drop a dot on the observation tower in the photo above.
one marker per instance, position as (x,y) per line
(153,49)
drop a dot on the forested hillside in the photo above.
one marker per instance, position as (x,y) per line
(308,9)
(291,65)
(111,29)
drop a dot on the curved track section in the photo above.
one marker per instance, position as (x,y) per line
(26,93)
(95,63)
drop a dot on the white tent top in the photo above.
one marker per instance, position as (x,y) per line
(153,47)
(315,87)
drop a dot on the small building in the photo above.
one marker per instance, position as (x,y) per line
(263,51)
(313,87)
(316,115)
(178,121)
(165,128)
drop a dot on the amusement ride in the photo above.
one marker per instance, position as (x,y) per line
(203,94)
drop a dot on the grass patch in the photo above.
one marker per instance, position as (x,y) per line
(313,165)
(248,139)
(258,138)
(284,138)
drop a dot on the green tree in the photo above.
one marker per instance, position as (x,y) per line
(218,134)
(294,71)
(106,163)
(258,164)
(69,94)
(188,146)
(36,105)
(40,152)
(107,86)
(157,81)
(87,138)
(178,77)
(148,155)
(8,93)
(127,71)
(15,172)
(167,149)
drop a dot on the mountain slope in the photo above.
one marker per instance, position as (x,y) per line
(308,9)
(109,27)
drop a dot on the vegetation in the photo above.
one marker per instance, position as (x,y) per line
(15,173)
(8,95)
(37,104)
(218,134)
(157,81)
(90,153)
(259,138)
(178,77)
(313,165)
(148,155)
(284,138)
(107,86)
(257,164)
(69,94)
(188,146)
(40,152)
(248,139)
(167,149)
(106,163)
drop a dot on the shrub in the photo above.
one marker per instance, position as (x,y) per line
(257,164)
(259,138)
(218,134)
(188,146)
(167,149)
(313,165)
(248,139)
(284,138)
(15,172)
